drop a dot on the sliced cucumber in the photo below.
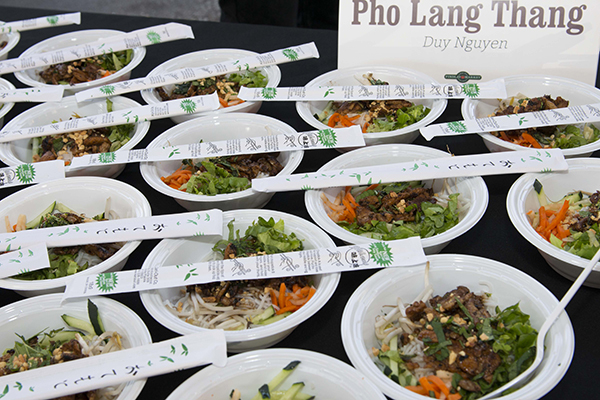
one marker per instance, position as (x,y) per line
(94,316)
(539,189)
(290,394)
(36,221)
(275,318)
(63,209)
(59,337)
(278,379)
(77,323)
(573,198)
(268,313)
(278,394)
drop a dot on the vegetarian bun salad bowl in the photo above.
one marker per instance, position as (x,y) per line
(219,182)
(308,374)
(253,313)
(389,121)
(530,93)
(558,213)
(66,146)
(457,328)
(437,211)
(227,86)
(85,73)
(40,331)
(65,202)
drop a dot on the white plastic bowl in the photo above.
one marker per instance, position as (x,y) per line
(20,151)
(324,377)
(508,286)
(31,77)
(209,57)
(199,249)
(12,39)
(473,190)
(582,175)
(393,75)
(217,128)
(84,195)
(6,107)
(28,317)
(577,93)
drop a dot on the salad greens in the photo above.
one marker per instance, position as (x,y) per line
(403,118)
(215,180)
(263,236)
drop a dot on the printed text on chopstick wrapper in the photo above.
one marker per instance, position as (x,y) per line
(23,260)
(42,22)
(448,167)
(25,174)
(127,116)
(323,139)
(558,116)
(491,90)
(32,94)
(397,253)
(119,230)
(301,52)
(114,368)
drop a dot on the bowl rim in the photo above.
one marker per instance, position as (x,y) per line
(475,212)
(150,96)
(138,56)
(13,40)
(468,105)
(358,354)
(148,169)
(152,301)
(438,107)
(8,156)
(6,107)
(201,379)
(515,200)
(120,255)
(52,300)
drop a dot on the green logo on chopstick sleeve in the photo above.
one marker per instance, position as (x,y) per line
(107,282)
(268,93)
(108,90)
(291,54)
(25,173)
(153,37)
(327,137)
(471,90)
(381,254)
(107,158)
(188,106)
(457,127)
(53,20)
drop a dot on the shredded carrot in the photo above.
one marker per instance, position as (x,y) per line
(531,140)
(333,120)
(371,187)
(428,386)
(454,396)
(107,73)
(435,380)
(223,102)
(558,218)
(273,297)
(417,389)
(504,137)
(351,200)
(282,295)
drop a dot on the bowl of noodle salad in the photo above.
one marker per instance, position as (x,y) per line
(455,205)
(122,329)
(72,200)
(494,312)
(191,309)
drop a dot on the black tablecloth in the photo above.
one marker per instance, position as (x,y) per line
(493,237)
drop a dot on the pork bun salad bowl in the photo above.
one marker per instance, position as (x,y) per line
(456,328)
(436,210)
(221,181)
(77,200)
(389,121)
(227,86)
(67,146)
(253,313)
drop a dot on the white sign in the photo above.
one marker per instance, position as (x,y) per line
(313,140)
(506,162)
(396,253)
(113,368)
(467,40)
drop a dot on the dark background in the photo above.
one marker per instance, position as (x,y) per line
(493,237)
